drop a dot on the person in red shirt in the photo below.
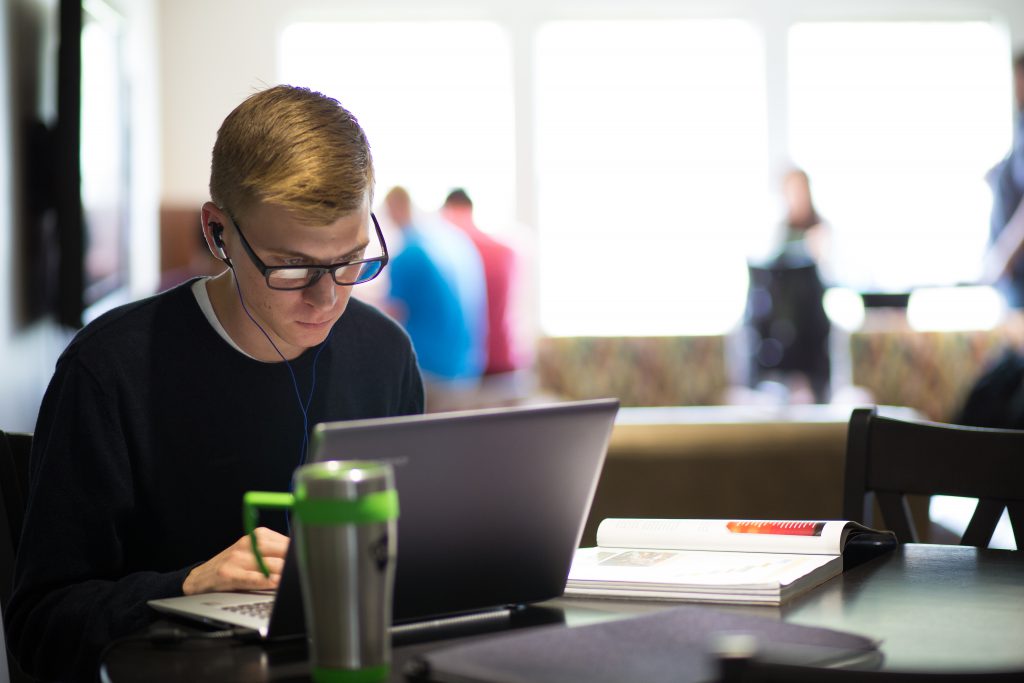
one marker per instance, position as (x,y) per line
(499,261)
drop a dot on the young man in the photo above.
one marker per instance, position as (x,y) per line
(163,412)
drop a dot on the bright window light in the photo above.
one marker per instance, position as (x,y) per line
(954,513)
(844,307)
(435,100)
(651,167)
(897,124)
(948,309)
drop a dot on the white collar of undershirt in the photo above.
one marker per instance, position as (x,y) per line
(203,299)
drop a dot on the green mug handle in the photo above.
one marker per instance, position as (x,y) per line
(252,501)
(380,506)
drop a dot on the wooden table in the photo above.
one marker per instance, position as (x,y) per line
(933,607)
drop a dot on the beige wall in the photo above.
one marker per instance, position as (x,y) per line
(212,55)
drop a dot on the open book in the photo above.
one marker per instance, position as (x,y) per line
(761,562)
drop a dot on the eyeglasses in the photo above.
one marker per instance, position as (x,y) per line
(306,275)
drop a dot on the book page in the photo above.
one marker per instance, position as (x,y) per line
(768,536)
(695,570)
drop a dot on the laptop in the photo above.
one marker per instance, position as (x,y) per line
(493,504)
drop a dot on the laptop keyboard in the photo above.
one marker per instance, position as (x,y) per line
(258,610)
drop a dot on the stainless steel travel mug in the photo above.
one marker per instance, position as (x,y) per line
(344,517)
(344,522)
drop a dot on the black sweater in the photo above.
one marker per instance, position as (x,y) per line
(150,431)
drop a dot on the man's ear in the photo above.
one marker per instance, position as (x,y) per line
(213,230)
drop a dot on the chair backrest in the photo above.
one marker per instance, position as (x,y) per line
(890,458)
(786,319)
(790,297)
(14,452)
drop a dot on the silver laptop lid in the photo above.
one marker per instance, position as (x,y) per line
(493,502)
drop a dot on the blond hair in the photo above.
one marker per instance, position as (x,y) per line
(295,148)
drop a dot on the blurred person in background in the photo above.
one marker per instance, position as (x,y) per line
(787,330)
(804,232)
(438,293)
(499,262)
(1003,263)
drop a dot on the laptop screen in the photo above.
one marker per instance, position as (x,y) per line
(493,502)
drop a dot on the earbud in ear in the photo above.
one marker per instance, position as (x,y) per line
(216,229)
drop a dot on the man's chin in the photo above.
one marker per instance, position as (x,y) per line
(312,332)
(309,334)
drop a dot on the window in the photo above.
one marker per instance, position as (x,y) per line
(651,158)
(653,180)
(435,100)
(897,124)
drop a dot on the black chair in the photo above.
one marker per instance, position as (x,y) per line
(787,328)
(890,458)
(14,453)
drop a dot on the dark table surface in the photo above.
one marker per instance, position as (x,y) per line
(932,607)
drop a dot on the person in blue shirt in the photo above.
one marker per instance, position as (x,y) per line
(1003,264)
(438,293)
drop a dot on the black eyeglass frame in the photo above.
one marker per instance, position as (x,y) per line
(332,268)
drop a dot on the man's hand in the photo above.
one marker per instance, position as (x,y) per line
(235,568)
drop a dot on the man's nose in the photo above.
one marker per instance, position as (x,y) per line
(323,293)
